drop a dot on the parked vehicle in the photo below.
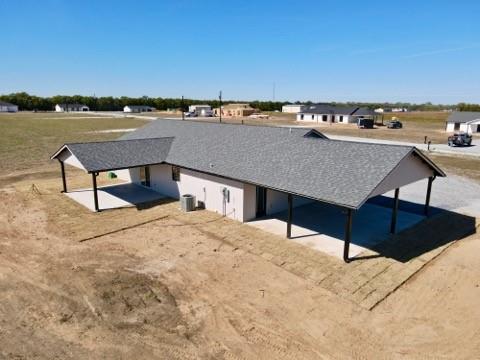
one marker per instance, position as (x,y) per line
(394,124)
(190,114)
(460,139)
(365,123)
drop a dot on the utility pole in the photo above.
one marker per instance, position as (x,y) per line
(220,98)
(183,113)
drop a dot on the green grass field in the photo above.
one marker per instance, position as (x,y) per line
(28,139)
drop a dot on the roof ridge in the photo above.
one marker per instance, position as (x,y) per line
(118,140)
(226,123)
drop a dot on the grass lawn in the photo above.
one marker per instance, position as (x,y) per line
(416,125)
(28,139)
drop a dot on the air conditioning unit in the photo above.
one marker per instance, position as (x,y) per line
(187,202)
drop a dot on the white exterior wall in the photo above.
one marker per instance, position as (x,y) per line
(466,127)
(318,118)
(68,158)
(292,108)
(8,108)
(131,175)
(278,201)
(409,170)
(206,188)
(71,108)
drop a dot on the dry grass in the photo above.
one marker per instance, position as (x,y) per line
(28,139)
(462,166)
(416,125)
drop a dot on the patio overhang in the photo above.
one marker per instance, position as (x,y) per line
(96,157)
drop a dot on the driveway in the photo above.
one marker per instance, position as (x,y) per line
(473,150)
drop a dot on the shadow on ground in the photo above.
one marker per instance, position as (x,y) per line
(434,232)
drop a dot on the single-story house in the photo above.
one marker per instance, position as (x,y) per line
(245,172)
(137,108)
(292,108)
(7,107)
(324,113)
(235,110)
(201,110)
(468,121)
(71,107)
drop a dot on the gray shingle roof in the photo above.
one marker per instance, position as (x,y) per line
(119,154)
(463,116)
(3,103)
(139,107)
(337,110)
(338,172)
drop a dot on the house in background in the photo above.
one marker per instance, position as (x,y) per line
(234,110)
(324,113)
(292,108)
(468,121)
(7,107)
(201,110)
(137,108)
(71,107)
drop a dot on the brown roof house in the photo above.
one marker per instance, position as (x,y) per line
(235,110)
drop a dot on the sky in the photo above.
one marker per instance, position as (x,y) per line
(374,51)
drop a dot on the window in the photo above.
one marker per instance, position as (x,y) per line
(341,118)
(457,126)
(313,117)
(175,173)
(324,117)
(301,116)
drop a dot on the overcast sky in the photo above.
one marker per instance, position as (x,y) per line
(348,50)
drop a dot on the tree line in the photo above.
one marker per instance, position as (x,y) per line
(26,101)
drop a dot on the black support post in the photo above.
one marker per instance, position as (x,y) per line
(348,236)
(95,195)
(289,218)
(427,199)
(393,224)
(64,179)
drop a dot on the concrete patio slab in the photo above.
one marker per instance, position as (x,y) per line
(321,226)
(115,196)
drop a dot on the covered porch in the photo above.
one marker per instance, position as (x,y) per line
(107,156)
(346,231)
(322,226)
(114,196)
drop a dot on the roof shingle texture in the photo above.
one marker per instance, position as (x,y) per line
(110,155)
(338,172)
(463,116)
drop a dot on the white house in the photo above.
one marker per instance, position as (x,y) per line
(247,172)
(71,107)
(201,110)
(467,121)
(324,113)
(137,108)
(7,107)
(292,108)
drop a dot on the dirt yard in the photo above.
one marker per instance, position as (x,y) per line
(155,283)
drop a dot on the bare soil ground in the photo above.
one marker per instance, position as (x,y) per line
(154,283)
(198,286)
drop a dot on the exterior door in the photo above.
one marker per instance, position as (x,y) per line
(261,209)
(145,176)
